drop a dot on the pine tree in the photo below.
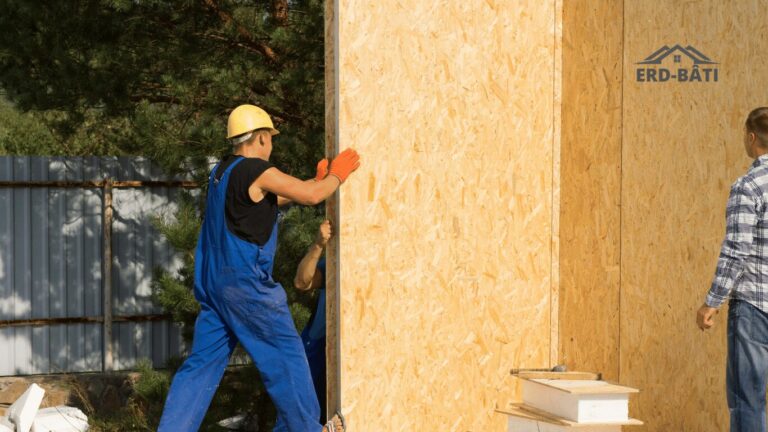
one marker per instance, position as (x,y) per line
(158,78)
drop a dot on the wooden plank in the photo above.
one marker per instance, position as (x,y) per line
(558,375)
(531,413)
(590,186)
(332,291)
(604,387)
(557,95)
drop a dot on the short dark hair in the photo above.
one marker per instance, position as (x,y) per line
(757,123)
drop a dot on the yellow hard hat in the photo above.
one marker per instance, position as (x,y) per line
(246,118)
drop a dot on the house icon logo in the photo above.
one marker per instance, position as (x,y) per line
(681,64)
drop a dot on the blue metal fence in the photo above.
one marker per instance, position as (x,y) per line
(52,268)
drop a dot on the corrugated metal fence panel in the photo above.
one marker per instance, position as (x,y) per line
(41,292)
(6,268)
(57,241)
(51,254)
(137,250)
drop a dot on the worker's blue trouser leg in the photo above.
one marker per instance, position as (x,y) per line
(263,325)
(747,372)
(196,381)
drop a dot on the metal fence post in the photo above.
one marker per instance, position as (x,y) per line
(107,279)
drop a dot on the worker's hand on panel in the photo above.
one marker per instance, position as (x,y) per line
(705,317)
(344,164)
(322,169)
(324,233)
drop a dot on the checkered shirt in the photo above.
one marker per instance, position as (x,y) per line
(742,268)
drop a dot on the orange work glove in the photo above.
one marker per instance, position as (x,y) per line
(322,169)
(346,162)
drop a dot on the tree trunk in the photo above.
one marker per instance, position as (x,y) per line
(280,11)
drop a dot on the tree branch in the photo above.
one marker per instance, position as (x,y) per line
(249,40)
(154,98)
(230,42)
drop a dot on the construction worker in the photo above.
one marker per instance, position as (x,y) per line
(310,274)
(239,300)
(741,277)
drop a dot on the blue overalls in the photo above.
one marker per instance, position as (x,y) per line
(239,301)
(313,337)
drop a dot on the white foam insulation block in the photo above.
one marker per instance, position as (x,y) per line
(22,412)
(60,419)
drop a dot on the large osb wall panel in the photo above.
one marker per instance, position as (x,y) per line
(681,151)
(590,186)
(446,237)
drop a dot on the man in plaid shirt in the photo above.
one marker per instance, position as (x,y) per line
(742,277)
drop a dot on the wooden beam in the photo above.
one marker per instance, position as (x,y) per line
(557,375)
(332,306)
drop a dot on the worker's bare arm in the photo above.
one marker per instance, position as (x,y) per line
(307,192)
(307,276)
(322,171)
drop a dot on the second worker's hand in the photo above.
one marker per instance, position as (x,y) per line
(322,169)
(324,233)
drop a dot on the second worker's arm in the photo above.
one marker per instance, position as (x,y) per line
(307,276)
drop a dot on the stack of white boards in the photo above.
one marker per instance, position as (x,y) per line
(562,401)
(25,415)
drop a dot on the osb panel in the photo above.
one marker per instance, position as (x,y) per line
(681,151)
(554,300)
(446,233)
(590,186)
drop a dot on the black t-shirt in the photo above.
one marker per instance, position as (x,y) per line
(246,219)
